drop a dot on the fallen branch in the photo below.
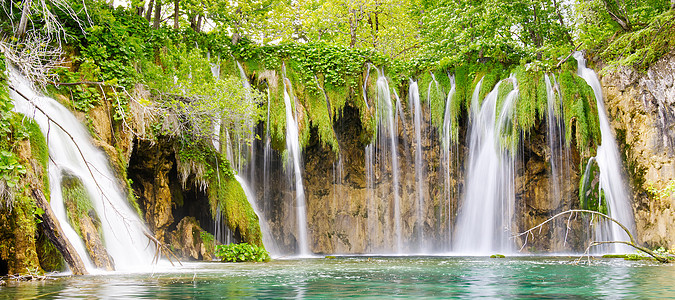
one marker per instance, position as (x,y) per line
(631,243)
(159,248)
(568,56)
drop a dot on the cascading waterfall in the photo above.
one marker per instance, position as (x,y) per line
(293,148)
(446,159)
(484,219)
(384,150)
(612,181)
(414,97)
(123,230)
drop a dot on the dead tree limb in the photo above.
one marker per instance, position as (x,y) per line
(159,248)
(631,243)
(568,56)
(55,234)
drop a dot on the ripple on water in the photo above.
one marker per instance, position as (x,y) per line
(343,277)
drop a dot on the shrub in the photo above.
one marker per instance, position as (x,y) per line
(241,252)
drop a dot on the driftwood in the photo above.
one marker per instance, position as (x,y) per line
(161,248)
(55,234)
(632,243)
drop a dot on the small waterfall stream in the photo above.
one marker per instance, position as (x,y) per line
(414,98)
(612,181)
(294,155)
(446,159)
(268,240)
(123,230)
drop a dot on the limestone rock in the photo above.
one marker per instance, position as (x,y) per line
(641,109)
(149,170)
(187,241)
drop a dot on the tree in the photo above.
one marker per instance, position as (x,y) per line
(501,30)
(245,18)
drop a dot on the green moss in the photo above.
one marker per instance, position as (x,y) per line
(77,202)
(50,257)
(17,236)
(228,195)
(39,151)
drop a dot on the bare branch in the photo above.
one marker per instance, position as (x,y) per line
(631,243)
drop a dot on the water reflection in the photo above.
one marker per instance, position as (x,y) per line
(428,277)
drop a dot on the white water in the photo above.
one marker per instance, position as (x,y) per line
(446,162)
(612,180)
(365,86)
(267,238)
(387,137)
(293,147)
(414,98)
(484,218)
(123,230)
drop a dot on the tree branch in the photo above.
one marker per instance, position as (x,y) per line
(631,243)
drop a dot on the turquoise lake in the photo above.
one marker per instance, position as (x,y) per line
(372,277)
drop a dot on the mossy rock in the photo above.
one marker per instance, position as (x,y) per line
(497,256)
(228,195)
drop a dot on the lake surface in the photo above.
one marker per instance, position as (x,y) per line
(372,277)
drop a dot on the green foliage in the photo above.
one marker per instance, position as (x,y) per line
(580,111)
(84,98)
(208,239)
(532,100)
(663,193)
(590,194)
(643,47)
(506,31)
(241,253)
(596,28)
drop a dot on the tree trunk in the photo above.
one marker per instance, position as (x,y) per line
(55,234)
(176,15)
(158,14)
(622,20)
(148,14)
(23,24)
(199,23)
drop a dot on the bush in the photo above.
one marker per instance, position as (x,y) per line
(242,252)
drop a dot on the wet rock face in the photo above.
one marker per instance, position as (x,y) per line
(86,222)
(540,194)
(149,169)
(641,109)
(187,241)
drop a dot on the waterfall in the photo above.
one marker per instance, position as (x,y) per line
(387,126)
(484,219)
(267,157)
(559,158)
(446,159)
(414,97)
(365,86)
(381,161)
(267,238)
(612,181)
(293,147)
(123,230)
